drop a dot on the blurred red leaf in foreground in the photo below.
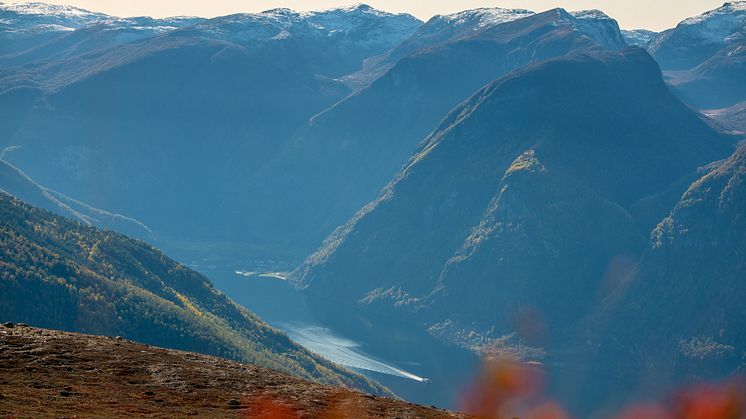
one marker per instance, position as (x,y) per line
(512,389)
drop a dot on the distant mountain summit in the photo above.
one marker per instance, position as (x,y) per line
(35,16)
(705,57)
(696,39)
(27,25)
(350,34)
(340,37)
(602,28)
(443,28)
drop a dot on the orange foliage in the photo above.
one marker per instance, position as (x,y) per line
(510,389)
(266,408)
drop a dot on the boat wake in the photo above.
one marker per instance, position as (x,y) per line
(345,352)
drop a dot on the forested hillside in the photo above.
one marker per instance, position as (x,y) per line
(64,275)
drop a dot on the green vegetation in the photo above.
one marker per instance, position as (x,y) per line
(61,274)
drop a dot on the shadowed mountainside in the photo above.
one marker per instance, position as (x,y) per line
(521,199)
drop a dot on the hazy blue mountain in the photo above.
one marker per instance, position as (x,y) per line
(131,121)
(343,156)
(168,131)
(698,38)
(335,42)
(97,35)
(60,274)
(168,127)
(704,57)
(522,199)
(718,82)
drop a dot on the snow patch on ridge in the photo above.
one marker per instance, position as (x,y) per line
(718,24)
(484,17)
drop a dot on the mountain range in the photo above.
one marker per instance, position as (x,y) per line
(149,102)
(544,185)
(222,95)
(343,156)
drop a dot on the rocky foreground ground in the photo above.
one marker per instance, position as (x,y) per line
(59,374)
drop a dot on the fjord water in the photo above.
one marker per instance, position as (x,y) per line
(414,365)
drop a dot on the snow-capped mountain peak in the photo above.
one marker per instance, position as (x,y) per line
(483,17)
(284,23)
(42,17)
(716,25)
(735,7)
(44,9)
(358,8)
(599,26)
(590,14)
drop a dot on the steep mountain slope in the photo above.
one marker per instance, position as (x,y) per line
(522,199)
(14,182)
(682,315)
(75,378)
(64,275)
(705,57)
(344,155)
(168,128)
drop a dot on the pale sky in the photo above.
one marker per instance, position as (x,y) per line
(631,14)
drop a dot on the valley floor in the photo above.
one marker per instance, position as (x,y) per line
(52,373)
